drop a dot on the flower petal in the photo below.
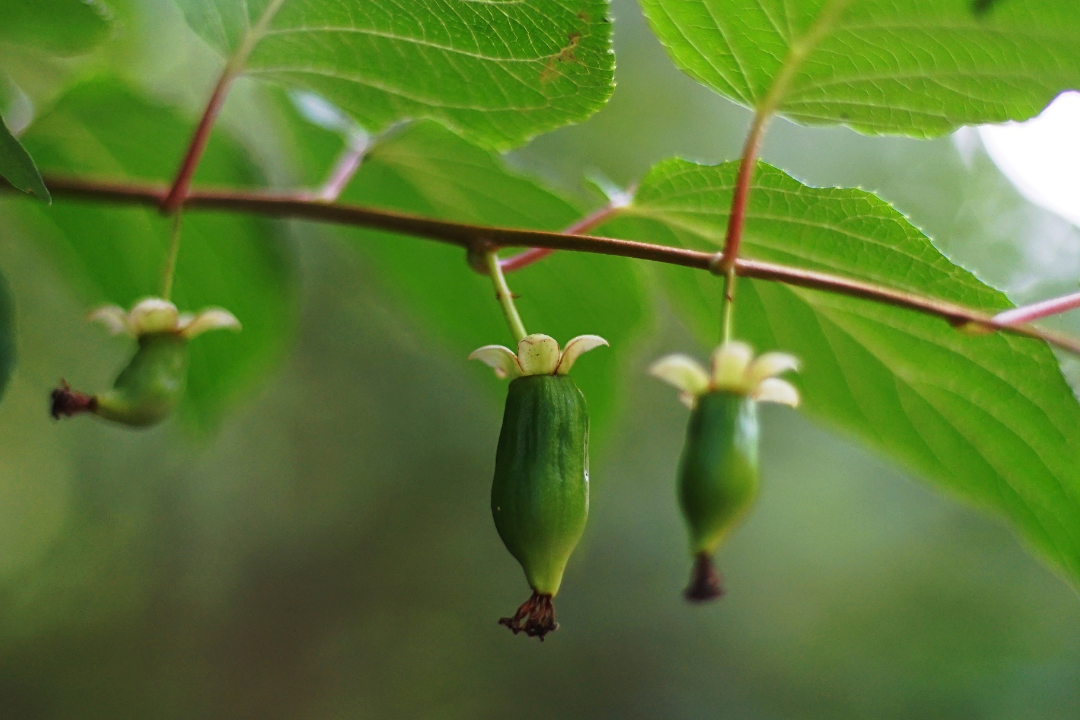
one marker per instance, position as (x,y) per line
(576,348)
(729,363)
(770,365)
(775,390)
(538,355)
(112,317)
(500,359)
(208,319)
(152,315)
(688,399)
(682,371)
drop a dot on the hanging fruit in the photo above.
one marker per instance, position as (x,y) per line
(718,471)
(540,493)
(147,390)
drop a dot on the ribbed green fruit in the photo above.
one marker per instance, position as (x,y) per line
(540,494)
(151,385)
(718,477)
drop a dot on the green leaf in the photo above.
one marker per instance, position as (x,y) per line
(988,418)
(63,27)
(497,72)
(426,169)
(7,335)
(17,167)
(116,254)
(914,67)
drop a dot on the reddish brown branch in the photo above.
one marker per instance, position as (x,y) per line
(479,236)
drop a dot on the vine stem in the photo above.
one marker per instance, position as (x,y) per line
(233,68)
(1039,310)
(506,298)
(298,206)
(582,226)
(168,274)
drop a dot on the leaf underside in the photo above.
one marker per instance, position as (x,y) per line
(496,72)
(988,418)
(17,167)
(426,169)
(911,67)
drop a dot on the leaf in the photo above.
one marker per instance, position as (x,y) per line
(988,418)
(7,335)
(426,169)
(912,67)
(63,27)
(116,254)
(17,167)
(497,72)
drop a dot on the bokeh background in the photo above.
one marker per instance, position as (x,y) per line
(327,552)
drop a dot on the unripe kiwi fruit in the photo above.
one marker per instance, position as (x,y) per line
(540,492)
(718,479)
(145,392)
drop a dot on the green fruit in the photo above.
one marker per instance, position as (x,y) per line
(540,494)
(145,392)
(718,478)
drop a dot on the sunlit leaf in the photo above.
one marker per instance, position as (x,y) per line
(498,72)
(915,67)
(987,418)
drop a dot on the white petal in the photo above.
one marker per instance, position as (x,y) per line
(207,320)
(152,315)
(500,359)
(729,363)
(576,348)
(688,399)
(775,390)
(769,365)
(111,316)
(538,355)
(682,371)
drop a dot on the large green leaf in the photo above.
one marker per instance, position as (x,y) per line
(116,254)
(426,169)
(498,72)
(17,167)
(916,67)
(989,418)
(64,27)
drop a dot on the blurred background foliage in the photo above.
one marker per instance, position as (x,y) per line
(323,548)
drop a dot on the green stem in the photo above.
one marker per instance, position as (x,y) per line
(169,273)
(506,298)
(727,309)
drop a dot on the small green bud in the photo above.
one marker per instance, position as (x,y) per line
(718,471)
(148,389)
(540,492)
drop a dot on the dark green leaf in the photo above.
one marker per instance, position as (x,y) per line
(117,254)
(498,72)
(427,169)
(914,67)
(64,27)
(17,167)
(988,418)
